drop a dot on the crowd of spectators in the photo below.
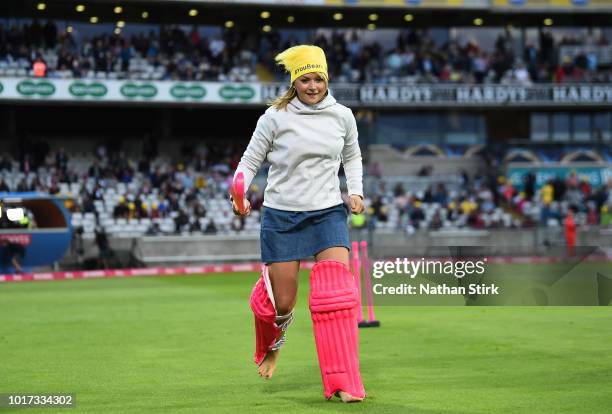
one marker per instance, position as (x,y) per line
(167,53)
(489,200)
(109,186)
(172,52)
(474,203)
(416,57)
(190,196)
(549,205)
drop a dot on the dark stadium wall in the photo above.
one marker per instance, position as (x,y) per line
(507,125)
(82,128)
(8,129)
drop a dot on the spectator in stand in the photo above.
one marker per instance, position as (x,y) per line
(39,67)
(425,171)
(547,197)
(181,221)
(529,182)
(591,217)
(256,198)
(605,218)
(559,188)
(570,231)
(416,214)
(379,210)
(211,228)
(440,195)
(436,220)
(585,188)
(61,160)
(153,229)
(121,209)
(506,189)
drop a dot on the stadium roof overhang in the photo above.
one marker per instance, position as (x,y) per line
(305,14)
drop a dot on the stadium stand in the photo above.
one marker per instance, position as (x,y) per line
(482,118)
(400,56)
(131,197)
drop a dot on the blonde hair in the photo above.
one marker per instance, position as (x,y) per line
(281,102)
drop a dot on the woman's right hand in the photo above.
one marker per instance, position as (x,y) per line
(247,206)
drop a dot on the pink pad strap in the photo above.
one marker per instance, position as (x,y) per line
(266,330)
(333,306)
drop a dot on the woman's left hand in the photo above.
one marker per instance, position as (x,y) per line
(357,206)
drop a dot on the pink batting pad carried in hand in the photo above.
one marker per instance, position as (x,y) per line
(238,192)
(266,330)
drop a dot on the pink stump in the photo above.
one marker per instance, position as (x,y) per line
(357,273)
(368,284)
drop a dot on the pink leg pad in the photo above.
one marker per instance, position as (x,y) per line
(333,307)
(266,330)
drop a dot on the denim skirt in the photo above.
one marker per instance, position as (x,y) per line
(294,235)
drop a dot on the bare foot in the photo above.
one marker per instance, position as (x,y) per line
(268,365)
(348,398)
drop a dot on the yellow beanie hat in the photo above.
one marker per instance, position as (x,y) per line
(302,59)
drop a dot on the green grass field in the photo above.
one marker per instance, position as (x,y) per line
(184,344)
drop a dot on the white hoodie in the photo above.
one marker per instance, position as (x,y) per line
(304,146)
